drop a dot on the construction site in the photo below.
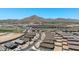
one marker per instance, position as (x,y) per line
(38,38)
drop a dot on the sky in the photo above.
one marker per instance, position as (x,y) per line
(19,13)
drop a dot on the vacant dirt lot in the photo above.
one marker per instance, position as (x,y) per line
(9,36)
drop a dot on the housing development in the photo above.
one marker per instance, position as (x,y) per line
(36,33)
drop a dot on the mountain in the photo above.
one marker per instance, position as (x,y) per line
(34,19)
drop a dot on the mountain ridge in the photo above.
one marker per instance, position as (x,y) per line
(37,20)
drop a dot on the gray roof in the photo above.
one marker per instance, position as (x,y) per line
(10,45)
(48,41)
(19,41)
(73,43)
(47,45)
(74,47)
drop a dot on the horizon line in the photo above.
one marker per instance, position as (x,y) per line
(38,16)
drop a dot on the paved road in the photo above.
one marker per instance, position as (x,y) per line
(35,45)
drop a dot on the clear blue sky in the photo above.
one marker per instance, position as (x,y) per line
(18,13)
